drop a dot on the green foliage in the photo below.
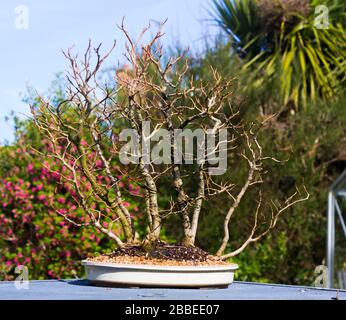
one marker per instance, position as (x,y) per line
(312,143)
(282,44)
(264,260)
(239,19)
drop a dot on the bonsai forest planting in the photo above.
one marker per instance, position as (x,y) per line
(169,136)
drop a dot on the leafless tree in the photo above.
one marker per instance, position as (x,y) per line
(84,131)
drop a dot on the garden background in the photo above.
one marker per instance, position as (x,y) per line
(282,64)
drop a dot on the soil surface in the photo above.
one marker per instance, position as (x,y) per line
(162,254)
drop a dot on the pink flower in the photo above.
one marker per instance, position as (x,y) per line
(8,263)
(41,197)
(30,167)
(99,164)
(135,191)
(56,175)
(8,185)
(24,196)
(39,187)
(84,143)
(61,200)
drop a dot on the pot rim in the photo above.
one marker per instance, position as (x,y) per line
(151,267)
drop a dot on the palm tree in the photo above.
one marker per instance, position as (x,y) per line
(278,40)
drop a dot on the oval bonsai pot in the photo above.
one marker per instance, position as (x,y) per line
(144,275)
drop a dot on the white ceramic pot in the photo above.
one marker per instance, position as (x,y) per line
(137,275)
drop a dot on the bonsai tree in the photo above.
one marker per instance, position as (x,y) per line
(152,124)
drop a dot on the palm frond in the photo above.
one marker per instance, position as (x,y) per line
(306,62)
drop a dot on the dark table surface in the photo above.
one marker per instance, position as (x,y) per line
(82,290)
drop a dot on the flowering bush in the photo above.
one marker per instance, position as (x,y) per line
(32,232)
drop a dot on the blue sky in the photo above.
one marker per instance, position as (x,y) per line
(33,56)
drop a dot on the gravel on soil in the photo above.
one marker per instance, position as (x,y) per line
(162,254)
